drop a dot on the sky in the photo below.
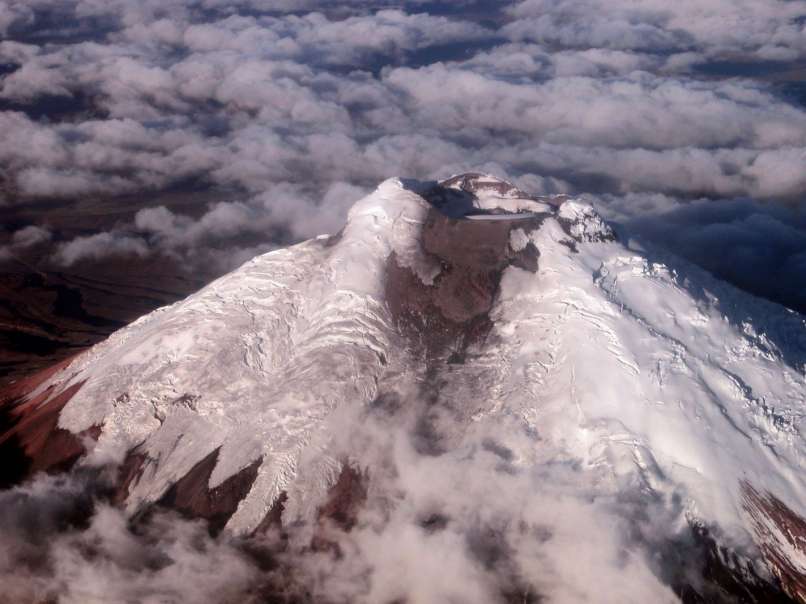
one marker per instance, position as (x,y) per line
(684,123)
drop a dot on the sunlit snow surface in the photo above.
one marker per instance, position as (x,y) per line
(640,377)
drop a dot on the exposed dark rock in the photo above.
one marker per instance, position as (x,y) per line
(332,240)
(416,309)
(344,502)
(528,258)
(443,321)
(434,523)
(192,496)
(591,227)
(448,316)
(345,499)
(701,571)
(129,473)
(473,182)
(274,518)
(770,514)
(30,438)
(570,244)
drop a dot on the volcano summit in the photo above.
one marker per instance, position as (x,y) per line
(468,394)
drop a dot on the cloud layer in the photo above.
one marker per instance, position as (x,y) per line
(292,109)
(474,524)
(716,29)
(62,543)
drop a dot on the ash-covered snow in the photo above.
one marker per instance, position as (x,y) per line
(607,361)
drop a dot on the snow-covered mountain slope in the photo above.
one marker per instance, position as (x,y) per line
(491,326)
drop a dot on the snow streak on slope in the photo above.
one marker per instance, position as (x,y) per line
(556,390)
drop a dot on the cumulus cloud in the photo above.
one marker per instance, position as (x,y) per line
(30,236)
(471,525)
(766,30)
(24,239)
(640,111)
(14,14)
(319,40)
(490,519)
(291,109)
(252,101)
(62,541)
(100,245)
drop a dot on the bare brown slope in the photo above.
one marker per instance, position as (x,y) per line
(446,317)
(30,439)
(781,535)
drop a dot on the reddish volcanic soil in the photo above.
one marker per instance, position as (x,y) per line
(30,439)
(192,497)
(446,317)
(46,318)
(780,534)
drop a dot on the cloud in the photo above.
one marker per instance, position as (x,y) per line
(490,519)
(14,14)
(24,239)
(283,213)
(747,29)
(30,236)
(635,111)
(250,102)
(98,246)
(290,111)
(316,39)
(760,247)
(60,540)
(490,548)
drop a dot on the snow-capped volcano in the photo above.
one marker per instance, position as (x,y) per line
(461,352)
